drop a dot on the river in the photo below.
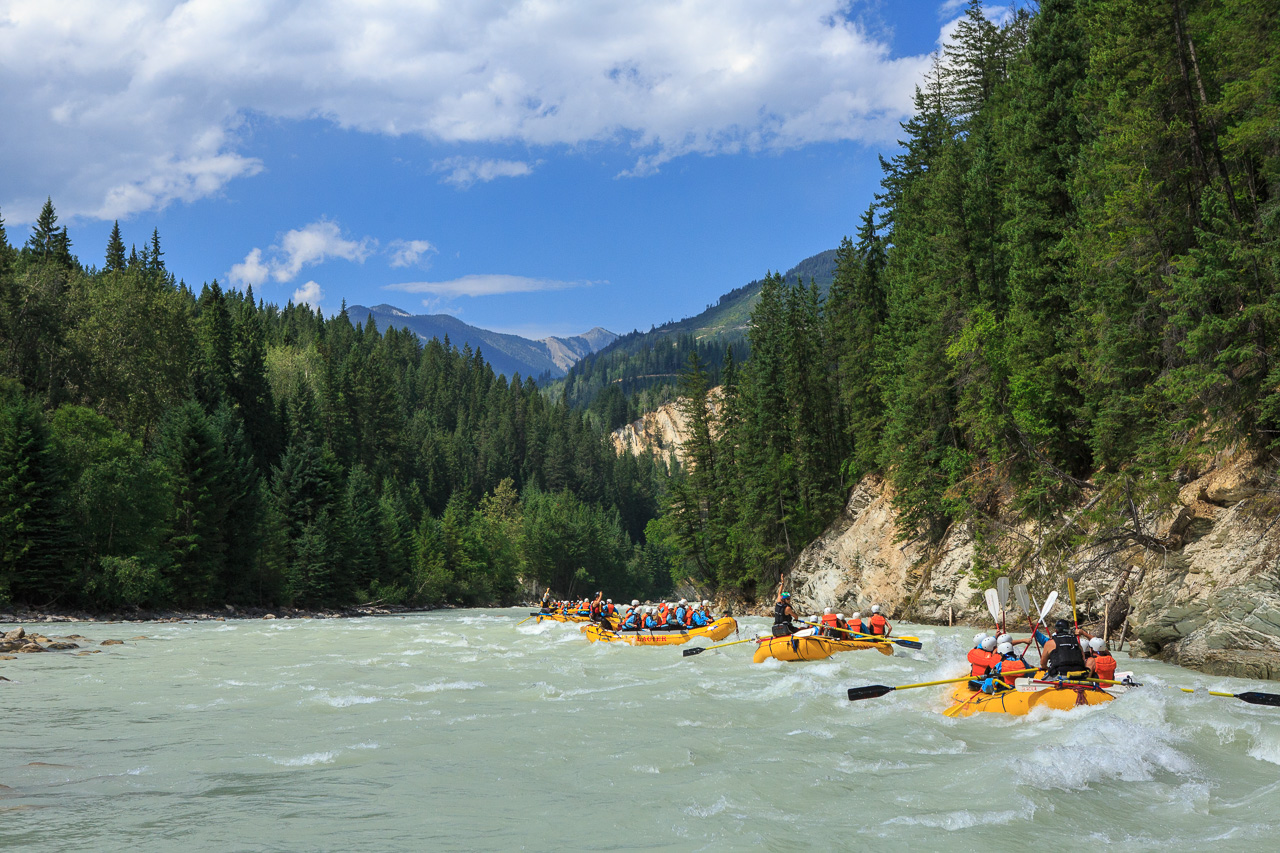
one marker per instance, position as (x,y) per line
(462,730)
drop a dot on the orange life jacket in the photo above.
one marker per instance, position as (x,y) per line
(879,625)
(662,612)
(828,623)
(1104,666)
(982,662)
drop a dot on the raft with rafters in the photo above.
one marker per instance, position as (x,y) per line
(799,647)
(717,630)
(1029,694)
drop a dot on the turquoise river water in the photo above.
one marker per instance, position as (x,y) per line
(460,730)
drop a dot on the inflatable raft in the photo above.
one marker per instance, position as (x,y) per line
(1029,694)
(717,630)
(561,617)
(799,647)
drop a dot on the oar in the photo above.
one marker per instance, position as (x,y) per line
(993,605)
(871,691)
(905,642)
(1048,605)
(698,651)
(522,621)
(1002,590)
(1071,591)
(1024,602)
(1253,697)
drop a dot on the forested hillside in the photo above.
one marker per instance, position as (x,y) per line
(640,372)
(166,447)
(1065,295)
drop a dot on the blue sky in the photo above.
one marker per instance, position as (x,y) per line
(531,167)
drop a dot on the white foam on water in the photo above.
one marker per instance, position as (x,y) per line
(715,808)
(1102,747)
(1265,746)
(306,760)
(439,686)
(646,769)
(821,734)
(365,745)
(348,701)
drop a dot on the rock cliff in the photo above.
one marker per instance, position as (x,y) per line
(1202,591)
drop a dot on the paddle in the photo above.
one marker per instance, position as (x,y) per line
(993,605)
(1024,602)
(871,691)
(698,651)
(1002,590)
(1253,697)
(1071,591)
(905,642)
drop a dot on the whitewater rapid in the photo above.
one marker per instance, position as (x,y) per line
(464,730)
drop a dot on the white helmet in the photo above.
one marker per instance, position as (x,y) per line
(856,616)
(1004,638)
(608,601)
(875,608)
(682,601)
(978,638)
(1005,648)
(840,616)
(706,603)
(1097,644)
(826,611)
(635,602)
(988,644)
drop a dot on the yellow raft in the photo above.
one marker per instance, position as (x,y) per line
(717,630)
(1028,695)
(793,648)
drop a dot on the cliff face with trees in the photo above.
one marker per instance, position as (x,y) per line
(165,447)
(1060,310)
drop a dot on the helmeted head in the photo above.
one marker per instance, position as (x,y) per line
(608,601)
(1062,626)
(786,596)
(682,601)
(840,616)
(706,603)
(1097,644)
(826,611)
(978,638)
(1005,648)
(988,644)
(635,602)
(857,615)
(875,608)
(1003,638)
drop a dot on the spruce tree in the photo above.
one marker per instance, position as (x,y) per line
(115,261)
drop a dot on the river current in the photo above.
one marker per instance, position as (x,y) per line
(462,730)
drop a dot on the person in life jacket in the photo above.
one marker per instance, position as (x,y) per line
(688,614)
(879,625)
(631,622)
(857,626)
(842,628)
(782,616)
(1006,670)
(981,659)
(596,608)
(678,615)
(546,601)
(1061,655)
(828,623)
(1101,664)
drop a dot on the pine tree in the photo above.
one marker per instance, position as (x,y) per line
(115,261)
(34,540)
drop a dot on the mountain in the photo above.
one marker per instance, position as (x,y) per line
(639,371)
(507,354)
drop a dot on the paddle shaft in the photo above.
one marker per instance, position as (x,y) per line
(698,651)
(905,642)
(871,691)
(1253,697)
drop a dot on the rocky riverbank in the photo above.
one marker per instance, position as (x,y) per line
(1195,581)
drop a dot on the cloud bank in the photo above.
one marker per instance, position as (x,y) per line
(302,247)
(116,108)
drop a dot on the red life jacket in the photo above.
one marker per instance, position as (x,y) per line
(1104,666)
(879,625)
(982,662)
(828,622)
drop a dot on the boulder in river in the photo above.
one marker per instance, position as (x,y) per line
(112,643)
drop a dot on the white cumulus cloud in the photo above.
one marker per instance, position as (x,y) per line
(486,285)
(309,294)
(114,108)
(406,253)
(301,247)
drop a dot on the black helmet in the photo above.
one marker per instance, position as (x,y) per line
(1061,626)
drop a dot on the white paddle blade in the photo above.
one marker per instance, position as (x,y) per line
(1048,605)
(1023,597)
(993,604)
(1002,589)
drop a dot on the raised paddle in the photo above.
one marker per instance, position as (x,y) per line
(871,691)
(905,642)
(1002,590)
(993,605)
(1071,592)
(698,651)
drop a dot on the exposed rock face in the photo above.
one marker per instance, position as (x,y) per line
(661,432)
(1210,600)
